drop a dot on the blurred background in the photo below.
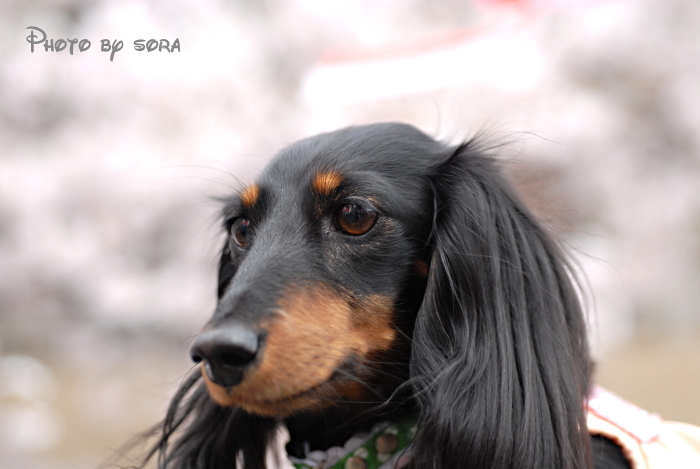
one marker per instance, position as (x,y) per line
(108,229)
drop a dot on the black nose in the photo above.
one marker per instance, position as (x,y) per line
(226,352)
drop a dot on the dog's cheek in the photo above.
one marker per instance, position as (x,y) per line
(373,333)
(319,331)
(306,340)
(372,325)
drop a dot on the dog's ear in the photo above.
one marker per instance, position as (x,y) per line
(500,361)
(198,433)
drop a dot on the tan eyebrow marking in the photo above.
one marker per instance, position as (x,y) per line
(326,182)
(250,195)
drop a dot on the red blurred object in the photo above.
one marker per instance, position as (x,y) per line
(540,5)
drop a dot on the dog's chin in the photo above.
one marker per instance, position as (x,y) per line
(313,399)
(283,407)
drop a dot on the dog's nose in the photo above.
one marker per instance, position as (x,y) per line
(226,352)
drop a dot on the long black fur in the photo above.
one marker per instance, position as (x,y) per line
(498,365)
(499,361)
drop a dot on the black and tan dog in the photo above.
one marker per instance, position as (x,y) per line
(373,274)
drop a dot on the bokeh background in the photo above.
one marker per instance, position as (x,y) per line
(108,230)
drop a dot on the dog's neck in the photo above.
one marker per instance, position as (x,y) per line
(334,426)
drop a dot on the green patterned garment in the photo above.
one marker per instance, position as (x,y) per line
(381,448)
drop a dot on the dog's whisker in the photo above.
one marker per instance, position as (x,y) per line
(216,181)
(228,171)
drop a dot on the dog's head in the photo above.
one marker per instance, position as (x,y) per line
(318,276)
(375,259)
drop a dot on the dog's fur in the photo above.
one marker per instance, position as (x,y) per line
(455,305)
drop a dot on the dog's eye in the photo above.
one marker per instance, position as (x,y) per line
(354,219)
(239,232)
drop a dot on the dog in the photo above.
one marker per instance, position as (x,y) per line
(374,274)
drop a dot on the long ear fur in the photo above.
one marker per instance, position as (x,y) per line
(500,359)
(197,433)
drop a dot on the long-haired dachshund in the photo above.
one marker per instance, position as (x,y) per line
(375,275)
